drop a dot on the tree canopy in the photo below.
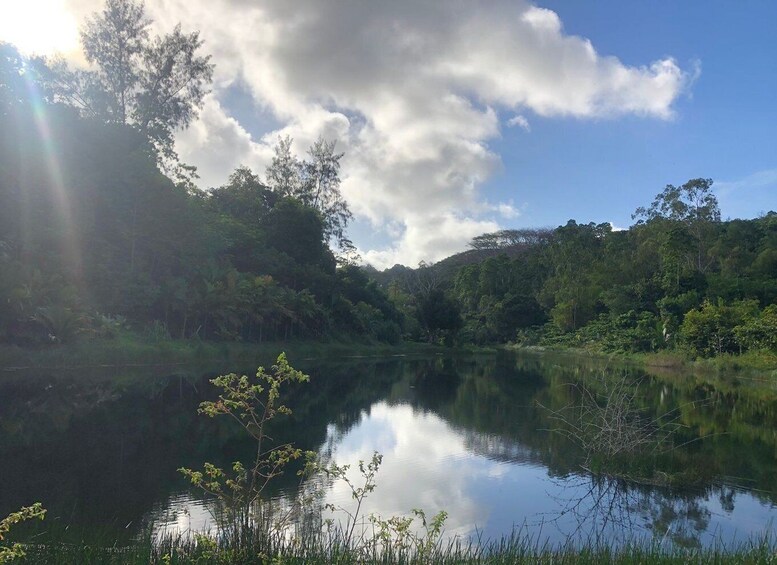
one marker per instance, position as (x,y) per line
(154,83)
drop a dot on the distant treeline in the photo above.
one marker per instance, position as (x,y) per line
(680,278)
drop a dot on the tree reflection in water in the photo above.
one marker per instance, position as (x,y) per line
(600,509)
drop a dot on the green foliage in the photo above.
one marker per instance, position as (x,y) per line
(679,278)
(253,403)
(758,331)
(252,527)
(710,330)
(498,296)
(251,260)
(241,263)
(690,203)
(631,332)
(14,551)
(156,84)
(438,315)
(572,291)
(315,183)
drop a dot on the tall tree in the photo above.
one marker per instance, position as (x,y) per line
(156,84)
(315,182)
(283,173)
(694,206)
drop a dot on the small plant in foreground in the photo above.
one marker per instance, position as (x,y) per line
(378,536)
(336,472)
(14,551)
(253,403)
(255,526)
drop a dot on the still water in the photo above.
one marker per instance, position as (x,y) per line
(476,436)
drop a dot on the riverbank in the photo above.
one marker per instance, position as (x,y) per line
(129,350)
(758,364)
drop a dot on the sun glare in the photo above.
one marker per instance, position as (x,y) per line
(42,27)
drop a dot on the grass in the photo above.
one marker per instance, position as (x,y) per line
(750,363)
(517,549)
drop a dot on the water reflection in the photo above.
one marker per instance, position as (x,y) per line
(426,465)
(181,516)
(491,485)
(465,435)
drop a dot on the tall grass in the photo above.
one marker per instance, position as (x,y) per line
(330,548)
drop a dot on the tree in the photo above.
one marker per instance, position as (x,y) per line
(693,205)
(315,183)
(572,291)
(156,84)
(321,189)
(503,239)
(297,231)
(19,78)
(711,329)
(438,314)
(283,174)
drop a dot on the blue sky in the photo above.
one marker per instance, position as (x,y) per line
(458,118)
(601,170)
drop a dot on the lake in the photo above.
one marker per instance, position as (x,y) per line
(484,437)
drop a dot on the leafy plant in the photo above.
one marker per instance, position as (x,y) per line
(336,472)
(14,551)
(252,403)
(62,323)
(384,536)
(255,524)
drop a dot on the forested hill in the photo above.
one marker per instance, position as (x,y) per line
(95,239)
(680,279)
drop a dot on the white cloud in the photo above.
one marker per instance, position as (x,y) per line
(508,210)
(410,89)
(429,238)
(400,433)
(218,144)
(520,121)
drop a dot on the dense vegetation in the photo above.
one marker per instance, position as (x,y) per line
(102,228)
(679,279)
(94,237)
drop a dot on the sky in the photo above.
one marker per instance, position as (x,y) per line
(459,117)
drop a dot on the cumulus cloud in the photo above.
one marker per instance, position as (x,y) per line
(508,210)
(218,144)
(429,237)
(400,434)
(411,89)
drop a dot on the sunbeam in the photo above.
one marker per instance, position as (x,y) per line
(70,249)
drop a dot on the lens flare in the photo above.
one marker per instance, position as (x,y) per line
(70,248)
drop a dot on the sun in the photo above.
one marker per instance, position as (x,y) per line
(41,27)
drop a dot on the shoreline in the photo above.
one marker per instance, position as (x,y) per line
(666,362)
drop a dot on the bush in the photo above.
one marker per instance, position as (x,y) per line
(710,330)
(759,332)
